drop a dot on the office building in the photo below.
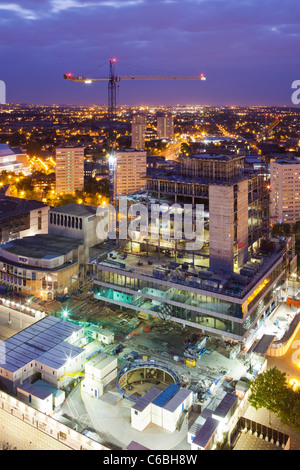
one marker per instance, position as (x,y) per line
(229,283)
(22,217)
(127,172)
(69,169)
(285,190)
(138,131)
(165,126)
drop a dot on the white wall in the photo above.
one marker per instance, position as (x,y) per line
(44,406)
(141,419)
(90,385)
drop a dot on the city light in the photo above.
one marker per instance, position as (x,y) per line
(209,313)
(294,383)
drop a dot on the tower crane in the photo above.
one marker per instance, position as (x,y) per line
(113,79)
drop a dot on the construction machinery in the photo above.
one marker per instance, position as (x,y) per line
(113,79)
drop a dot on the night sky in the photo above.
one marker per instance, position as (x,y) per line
(248,50)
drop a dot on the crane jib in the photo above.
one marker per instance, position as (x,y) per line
(112,79)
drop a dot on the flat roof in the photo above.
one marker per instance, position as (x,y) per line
(99,329)
(43,341)
(177,400)
(79,210)
(56,392)
(35,390)
(148,398)
(226,404)
(129,265)
(286,161)
(41,246)
(133,445)
(263,344)
(166,395)
(6,150)
(220,157)
(102,360)
(205,432)
(176,176)
(14,206)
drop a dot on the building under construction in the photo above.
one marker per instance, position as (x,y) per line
(228,283)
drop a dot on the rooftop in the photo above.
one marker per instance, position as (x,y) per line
(286,161)
(219,158)
(177,399)
(166,395)
(41,246)
(177,177)
(79,210)
(6,150)
(206,432)
(226,404)
(44,341)
(35,390)
(145,400)
(195,277)
(13,206)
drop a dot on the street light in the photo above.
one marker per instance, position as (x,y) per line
(65,313)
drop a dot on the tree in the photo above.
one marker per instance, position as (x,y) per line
(290,411)
(16,139)
(268,390)
(34,149)
(185,148)
(26,185)
(67,198)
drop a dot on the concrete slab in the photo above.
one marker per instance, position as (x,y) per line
(113,423)
(110,398)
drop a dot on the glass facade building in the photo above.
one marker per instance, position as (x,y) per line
(229,284)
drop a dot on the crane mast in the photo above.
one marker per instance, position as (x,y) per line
(112,90)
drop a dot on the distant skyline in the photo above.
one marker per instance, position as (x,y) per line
(248,50)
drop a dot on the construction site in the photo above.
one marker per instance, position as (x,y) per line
(150,355)
(160,383)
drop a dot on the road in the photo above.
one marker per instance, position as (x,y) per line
(290,362)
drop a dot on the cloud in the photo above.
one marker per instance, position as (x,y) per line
(15,8)
(228,41)
(61,5)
